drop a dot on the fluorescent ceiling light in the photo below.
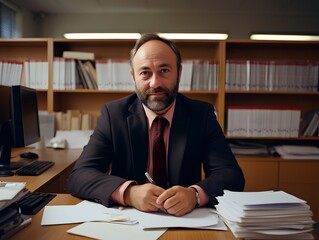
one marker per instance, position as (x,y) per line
(284,37)
(102,35)
(195,36)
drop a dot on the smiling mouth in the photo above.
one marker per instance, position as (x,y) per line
(158,96)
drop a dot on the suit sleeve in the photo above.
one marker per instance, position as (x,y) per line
(221,168)
(90,178)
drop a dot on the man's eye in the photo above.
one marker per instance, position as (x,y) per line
(165,70)
(145,73)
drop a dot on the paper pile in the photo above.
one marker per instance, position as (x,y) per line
(11,219)
(11,192)
(265,215)
(297,152)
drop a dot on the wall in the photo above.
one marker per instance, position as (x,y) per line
(239,26)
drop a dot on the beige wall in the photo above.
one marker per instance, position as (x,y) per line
(238,26)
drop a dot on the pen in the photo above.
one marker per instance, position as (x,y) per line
(149,178)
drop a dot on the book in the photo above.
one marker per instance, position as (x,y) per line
(74,119)
(312,127)
(78,55)
(88,79)
(87,122)
(91,72)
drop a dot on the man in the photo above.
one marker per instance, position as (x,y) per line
(111,169)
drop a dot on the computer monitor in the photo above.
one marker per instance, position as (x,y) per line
(19,121)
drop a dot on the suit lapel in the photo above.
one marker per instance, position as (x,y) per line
(138,133)
(177,142)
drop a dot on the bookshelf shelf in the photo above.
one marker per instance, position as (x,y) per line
(93,91)
(269,92)
(262,173)
(274,138)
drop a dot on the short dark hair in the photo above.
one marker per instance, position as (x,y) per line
(152,36)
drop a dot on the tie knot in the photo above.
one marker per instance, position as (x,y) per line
(160,123)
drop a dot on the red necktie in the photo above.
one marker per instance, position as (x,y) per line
(159,153)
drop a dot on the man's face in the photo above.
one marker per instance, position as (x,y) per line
(156,76)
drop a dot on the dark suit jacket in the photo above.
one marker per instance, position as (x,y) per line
(121,140)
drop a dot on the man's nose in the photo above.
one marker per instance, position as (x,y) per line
(155,81)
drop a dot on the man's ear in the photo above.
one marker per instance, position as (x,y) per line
(132,75)
(180,73)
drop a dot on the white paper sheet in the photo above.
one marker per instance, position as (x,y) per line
(76,139)
(102,230)
(200,217)
(8,190)
(83,212)
(261,198)
(89,211)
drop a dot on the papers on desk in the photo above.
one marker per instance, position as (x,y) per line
(98,219)
(11,219)
(265,215)
(102,230)
(11,192)
(76,139)
(198,218)
(83,212)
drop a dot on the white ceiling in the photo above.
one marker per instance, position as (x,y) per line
(263,7)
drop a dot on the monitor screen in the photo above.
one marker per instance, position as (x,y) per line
(24,116)
(19,120)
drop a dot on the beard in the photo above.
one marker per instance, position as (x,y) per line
(157,103)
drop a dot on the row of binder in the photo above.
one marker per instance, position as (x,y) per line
(114,74)
(260,121)
(262,75)
(30,73)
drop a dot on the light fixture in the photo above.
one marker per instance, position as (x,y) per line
(195,36)
(284,37)
(102,35)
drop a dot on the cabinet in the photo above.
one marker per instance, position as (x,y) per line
(262,173)
(301,179)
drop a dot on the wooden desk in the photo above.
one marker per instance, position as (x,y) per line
(37,232)
(53,179)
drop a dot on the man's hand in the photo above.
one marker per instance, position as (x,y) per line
(178,200)
(143,197)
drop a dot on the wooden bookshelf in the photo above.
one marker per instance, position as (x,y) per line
(262,173)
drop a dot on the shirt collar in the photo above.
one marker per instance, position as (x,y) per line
(152,115)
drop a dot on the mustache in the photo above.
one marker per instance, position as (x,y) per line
(156,90)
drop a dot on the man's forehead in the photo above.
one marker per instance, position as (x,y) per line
(154,49)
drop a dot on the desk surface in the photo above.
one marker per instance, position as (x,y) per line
(37,232)
(63,159)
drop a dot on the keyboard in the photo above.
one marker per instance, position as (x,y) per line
(33,202)
(34,168)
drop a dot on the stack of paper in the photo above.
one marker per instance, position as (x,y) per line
(11,219)
(265,215)
(248,148)
(297,152)
(11,192)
